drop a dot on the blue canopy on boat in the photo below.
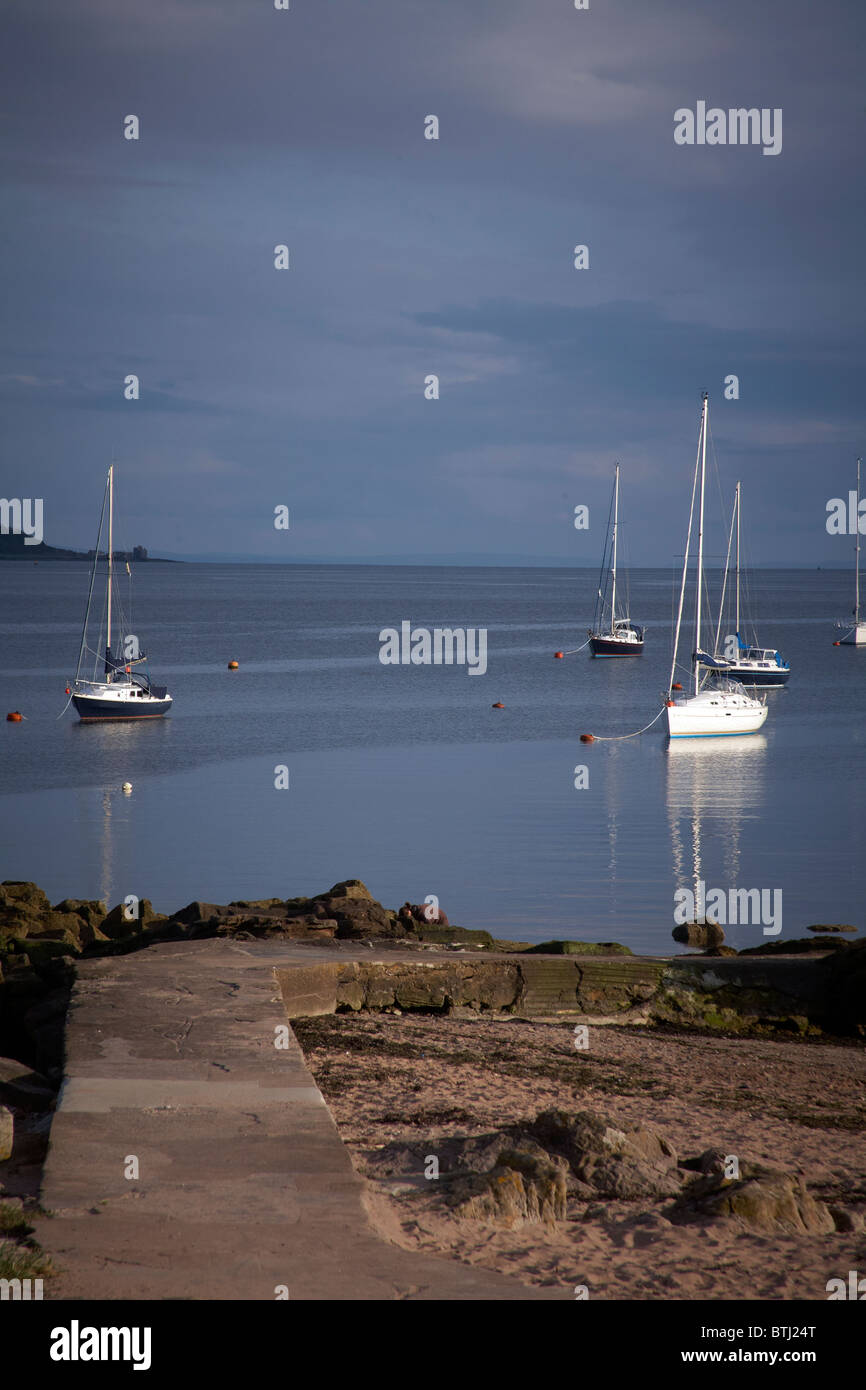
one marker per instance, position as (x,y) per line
(715,663)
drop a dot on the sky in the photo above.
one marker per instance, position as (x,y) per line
(411,257)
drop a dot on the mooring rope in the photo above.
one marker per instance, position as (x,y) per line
(574,650)
(615,738)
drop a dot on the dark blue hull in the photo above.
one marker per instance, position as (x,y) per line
(90,709)
(765,678)
(608,646)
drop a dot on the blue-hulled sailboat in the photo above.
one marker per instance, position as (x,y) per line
(610,634)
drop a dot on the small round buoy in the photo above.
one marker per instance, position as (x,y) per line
(559,655)
(498,705)
(127,787)
(668,703)
(68,691)
(14,717)
(837,644)
(233,665)
(587,738)
(676,686)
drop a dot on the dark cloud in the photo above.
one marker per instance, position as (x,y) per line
(411,257)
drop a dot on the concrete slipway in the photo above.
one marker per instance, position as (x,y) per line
(244,1183)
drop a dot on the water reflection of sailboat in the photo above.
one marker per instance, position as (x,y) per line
(712,790)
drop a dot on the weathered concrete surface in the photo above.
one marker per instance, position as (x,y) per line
(758,993)
(244,1183)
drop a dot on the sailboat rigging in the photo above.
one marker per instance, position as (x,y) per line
(612,635)
(720,706)
(752,665)
(119,694)
(855,636)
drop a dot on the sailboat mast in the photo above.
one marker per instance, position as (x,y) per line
(685,573)
(110,544)
(857,559)
(737,629)
(700,544)
(613,563)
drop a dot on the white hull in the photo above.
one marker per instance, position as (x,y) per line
(715,714)
(855,636)
(113,700)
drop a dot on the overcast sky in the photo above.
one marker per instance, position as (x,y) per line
(411,257)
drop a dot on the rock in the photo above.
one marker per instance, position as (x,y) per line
(844,998)
(117,925)
(89,910)
(847,1220)
(200,914)
(255,905)
(415,915)
(524,1187)
(614,1161)
(360,919)
(762,1200)
(699,934)
(7,1133)
(18,895)
(349,888)
(831,927)
(23,1088)
(797,946)
(309,927)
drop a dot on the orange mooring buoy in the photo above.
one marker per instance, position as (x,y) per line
(233,665)
(676,686)
(559,655)
(498,705)
(587,738)
(68,691)
(837,644)
(14,717)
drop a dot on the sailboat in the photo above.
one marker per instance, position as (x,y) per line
(720,706)
(855,636)
(119,694)
(753,665)
(612,635)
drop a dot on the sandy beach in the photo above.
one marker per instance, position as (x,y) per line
(399,1085)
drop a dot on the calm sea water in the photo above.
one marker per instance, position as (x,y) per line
(405,776)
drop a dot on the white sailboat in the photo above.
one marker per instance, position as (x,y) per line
(855,636)
(719,707)
(119,694)
(752,665)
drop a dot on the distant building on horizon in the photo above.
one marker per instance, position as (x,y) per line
(138,552)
